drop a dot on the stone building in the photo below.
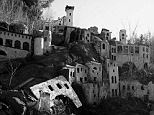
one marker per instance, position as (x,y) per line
(113,78)
(57,86)
(94,92)
(101,46)
(121,52)
(138,54)
(85,35)
(106,34)
(14,45)
(95,72)
(63,21)
(91,93)
(93,30)
(69,73)
(122,36)
(133,88)
(81,73)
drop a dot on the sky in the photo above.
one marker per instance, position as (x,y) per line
(110,14)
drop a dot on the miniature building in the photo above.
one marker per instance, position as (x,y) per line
(63,21)
(113,51)
(70,75)
(38,46)
(86,35)
(113,79)
(93,30)
(138,54)
(122,36)
(55,87)
(133,88)
(101,46)
(95,71)
(69,15)
(94,92)
(91,93)
(14,45)
(81,73)
(106,34)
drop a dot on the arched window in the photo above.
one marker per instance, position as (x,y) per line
(8,43)
(3,53)
(1,41)
(26,46)
(17,44)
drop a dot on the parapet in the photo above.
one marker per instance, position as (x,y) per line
(104,29)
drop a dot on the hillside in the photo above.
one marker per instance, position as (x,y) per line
(86,51)
(46,66)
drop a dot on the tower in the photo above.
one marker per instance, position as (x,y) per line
(122,36)
(106,34)
(69,15)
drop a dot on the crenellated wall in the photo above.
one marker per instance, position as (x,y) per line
(15,45)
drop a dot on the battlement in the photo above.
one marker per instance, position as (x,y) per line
(15,40)
(69,8)
(13,34)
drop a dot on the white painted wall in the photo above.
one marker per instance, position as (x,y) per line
(38,46)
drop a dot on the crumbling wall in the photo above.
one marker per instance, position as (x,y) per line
(55,87)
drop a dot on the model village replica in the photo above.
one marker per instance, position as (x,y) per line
(80,56)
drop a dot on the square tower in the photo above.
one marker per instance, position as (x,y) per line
(106,34)
(69,15)
(122,36)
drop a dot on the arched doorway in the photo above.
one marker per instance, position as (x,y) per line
(17,44)
(145,65)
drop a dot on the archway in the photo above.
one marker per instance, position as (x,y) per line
(26,46)
(3,53)
(65,103)
(17,44)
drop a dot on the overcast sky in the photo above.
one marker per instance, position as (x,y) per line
(111,14)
